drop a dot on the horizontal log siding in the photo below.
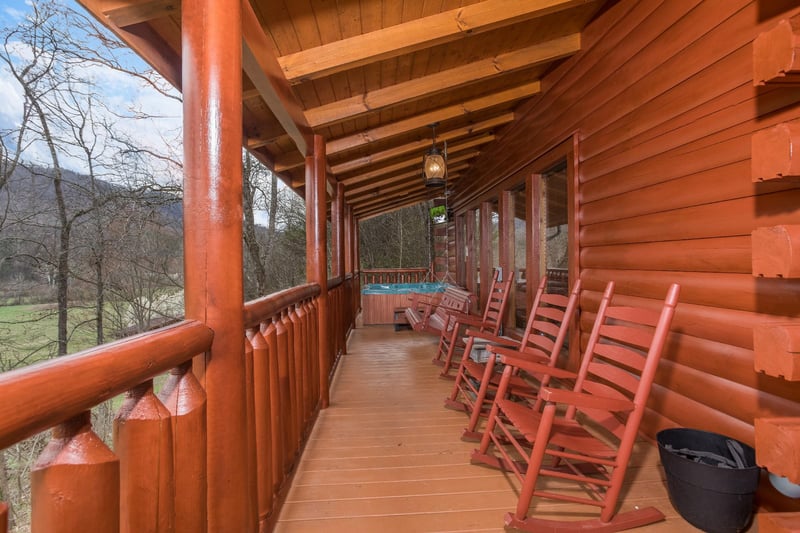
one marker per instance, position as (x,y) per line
(662,101)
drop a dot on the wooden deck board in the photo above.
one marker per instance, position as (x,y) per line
(387,457)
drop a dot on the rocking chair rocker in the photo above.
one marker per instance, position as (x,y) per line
(611,390)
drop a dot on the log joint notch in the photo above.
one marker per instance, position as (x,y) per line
(776,251)
(777,350)
(774,153)
(776,54)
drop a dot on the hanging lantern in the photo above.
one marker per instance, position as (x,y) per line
(434,165)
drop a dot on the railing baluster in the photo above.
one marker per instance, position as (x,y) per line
(270,333)
(302,316)
(294,439)
(313,361)
(297,357)
(250,435)
(262,422)
(143,441)
(75,482)
(185,399)
(286,406)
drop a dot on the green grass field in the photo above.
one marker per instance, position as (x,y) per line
(28,333)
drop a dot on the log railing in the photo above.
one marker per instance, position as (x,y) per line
(394,275)
(103,487)
(153,477)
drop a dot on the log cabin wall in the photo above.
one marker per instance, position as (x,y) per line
(663,106)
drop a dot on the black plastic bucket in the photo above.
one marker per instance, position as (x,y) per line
(714,498)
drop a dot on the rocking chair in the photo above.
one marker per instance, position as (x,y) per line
(610,393)
(542,342)
(451,341)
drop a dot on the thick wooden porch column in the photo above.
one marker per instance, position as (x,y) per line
(316,254)
(507,247)
(212,125)
(348,240)
(337,232)
(485,252)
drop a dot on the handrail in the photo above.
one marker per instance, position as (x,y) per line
(394,275)
(290,364)
(255,310)
(335,282)
(40,396)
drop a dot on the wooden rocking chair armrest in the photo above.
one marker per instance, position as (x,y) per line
(495,340)
(581,400)
(518,359)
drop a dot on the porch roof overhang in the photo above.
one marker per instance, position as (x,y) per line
(370,77)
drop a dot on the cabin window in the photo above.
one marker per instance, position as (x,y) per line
(553,230)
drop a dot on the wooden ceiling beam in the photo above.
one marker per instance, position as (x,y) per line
(415,89)
(144,41)
(387,131)
(400,203)
(371,186)
(396,183)
(261,66)
(128,13)
(417,161)
(420,146)
(410,36)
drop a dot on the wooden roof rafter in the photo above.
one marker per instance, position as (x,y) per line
(416,162)
(408,37)
(394,129)
(261,66)
(421,145)
(418,88)
(393,185)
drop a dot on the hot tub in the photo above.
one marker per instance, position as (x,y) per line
(379,300)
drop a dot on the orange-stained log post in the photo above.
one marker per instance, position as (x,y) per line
(212,114)
(506,247)
(75,482)
(338,253)
(485,218)
(262,421)
(316,256)
(348,240)
(185,399)
(3,517)
(143,442)
(337,231)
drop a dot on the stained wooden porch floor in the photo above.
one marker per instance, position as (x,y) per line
(386,456)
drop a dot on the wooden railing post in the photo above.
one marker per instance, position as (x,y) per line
(185,399)
(143,441)
(75,484)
